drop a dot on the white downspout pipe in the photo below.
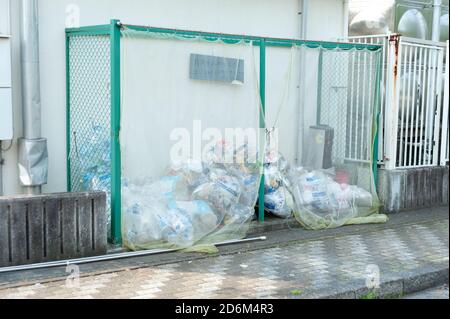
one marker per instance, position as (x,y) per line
(303,4)
(33,160)
(345,20)
(304,19)
(31,91)
(437,9)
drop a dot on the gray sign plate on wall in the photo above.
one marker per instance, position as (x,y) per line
(213,68)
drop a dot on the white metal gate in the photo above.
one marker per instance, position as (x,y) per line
(414,117)
(384,41)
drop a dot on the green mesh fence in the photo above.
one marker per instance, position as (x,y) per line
(90,114)
(346,100)
(346,97)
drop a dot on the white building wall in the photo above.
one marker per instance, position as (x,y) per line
(325,20)
(251,17)
(10,169)
(4,17)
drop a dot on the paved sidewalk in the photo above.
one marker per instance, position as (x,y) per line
(435,293)
(408,257)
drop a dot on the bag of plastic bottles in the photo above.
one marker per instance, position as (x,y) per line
(197,203)
(277,199)
(322,202)
(279,202)
(221,192)
(201,216)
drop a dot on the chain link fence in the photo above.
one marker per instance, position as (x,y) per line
(90,114)
(346,95)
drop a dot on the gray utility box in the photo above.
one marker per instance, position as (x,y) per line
(319,148)
(52,227)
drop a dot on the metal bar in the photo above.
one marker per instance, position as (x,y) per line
(381,124)
(444,132)
(81,261)
(427,106)
(352,87)
(357,102)
(413,108)
(437,121)
(431,108)
(116,180)
(427,43)
(262,123)
(68,129)
(370,111)
(403,67)
(416,166)
(392,103)
(423,46)
(370,79)
(89,34)
(376,109)
(89,30)
(418,107)
(360,109)
(436,23)
(355,37)
(301,107)
(31,101)
(363,115)
(423,107)
(409,107)
(281,42)
(319,87)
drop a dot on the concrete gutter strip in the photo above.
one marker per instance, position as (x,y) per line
(394,289)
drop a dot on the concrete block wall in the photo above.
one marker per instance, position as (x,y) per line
(52,227)
(406,189)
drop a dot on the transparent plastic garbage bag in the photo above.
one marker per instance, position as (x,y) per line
(322,202)
(197,204)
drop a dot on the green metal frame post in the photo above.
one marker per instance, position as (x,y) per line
(113,31)
(377,109)
(69,169)
(116,165)
(272,42)
(262,123)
